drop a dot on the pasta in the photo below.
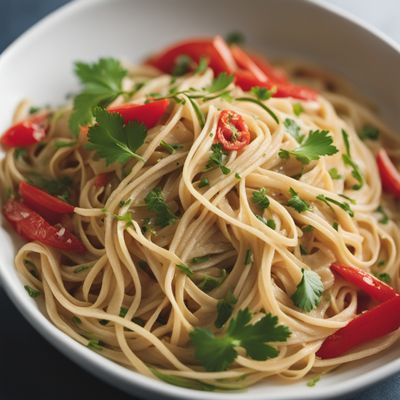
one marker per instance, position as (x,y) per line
(185,230)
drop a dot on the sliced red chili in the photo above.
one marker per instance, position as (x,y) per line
(31,226)
(25,133)
(244,61)
(390,176)
(232,131)
(372,324)
(101,180)
(374,287)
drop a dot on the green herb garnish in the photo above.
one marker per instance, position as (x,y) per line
(225,308)
(297,202)
(155,202)
(308,292)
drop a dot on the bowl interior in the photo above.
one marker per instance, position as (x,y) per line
(39,67)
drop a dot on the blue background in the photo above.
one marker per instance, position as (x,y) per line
(26,360)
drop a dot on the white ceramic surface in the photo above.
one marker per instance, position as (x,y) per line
(39,66)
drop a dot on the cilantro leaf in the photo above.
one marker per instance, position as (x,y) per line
(216,353)
(343,205)
(383,276)
(262,93)
(297,109)
(155,202)
(182,65)
(217,158)
(308,292)
(294,129)
(222,81)
(334,174)
(297,202)
(225,309)
(369,132)
(317,144)
(102,83)
(269,222)
(113,140)
(260,198)
(202,66)
(356,173)
(31,291)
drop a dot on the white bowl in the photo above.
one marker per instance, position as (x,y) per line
(39,66)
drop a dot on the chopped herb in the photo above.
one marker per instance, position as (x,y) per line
(260,198)
(199,114)
(113,140)
(349,199)
(262,105)
(127,218)
(334,173)
(356,173)
(32,292)
(102,83)
(303,250)
(182,65)
(381,263)
(170,147)
(82,268)
(383,276)
(313,381)
(248,258)
(33,110)
(308,228)
(297,202)
(202,66)
(235,38)
(369,132)
(31,267)
(199,260)
(217,353)
(182,381)
(343,205)
(384,217)
(308,292)
(147,227)
(20,152)
(294,129)
(155,202)
(185,269)
(203,182)
(209,282)
(335,226)
(269,222)
(225,309)
(237,176)
(262,93)
(76,320)
(217,158)
(124,203)
(94,344)
(298,109)
(123,311)
(221,82)
(59,144)
(317,144)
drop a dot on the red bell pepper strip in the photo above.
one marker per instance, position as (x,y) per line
(390,176)
(35,197)
(232,131)
(214,49)
(246,81)
(25,133)
(244,61)
(374,287)
(269,71)
(148,114)
(32,226)
(101,180)
(372,324)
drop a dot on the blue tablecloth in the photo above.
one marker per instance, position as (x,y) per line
(26,358)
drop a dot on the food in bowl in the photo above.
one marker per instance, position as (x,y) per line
(206,219)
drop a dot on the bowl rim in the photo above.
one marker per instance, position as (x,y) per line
(112,372)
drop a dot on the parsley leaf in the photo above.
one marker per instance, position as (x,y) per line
(222,81)
(383,276)
(317,144)
(217,158)
(155,202)
(356,173)
(313,381)
(262,93)
(260,198)
(102,83)
(216,353)
(182,65)
(297,202)
(297,109)
(269,222)
(369,132)
(113,140)
(31,291)
(202,66)
(209,282)
(384,217)
(235,38)
(343,205)
(225,309)
(334,173)
(308,292)
(294,129)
